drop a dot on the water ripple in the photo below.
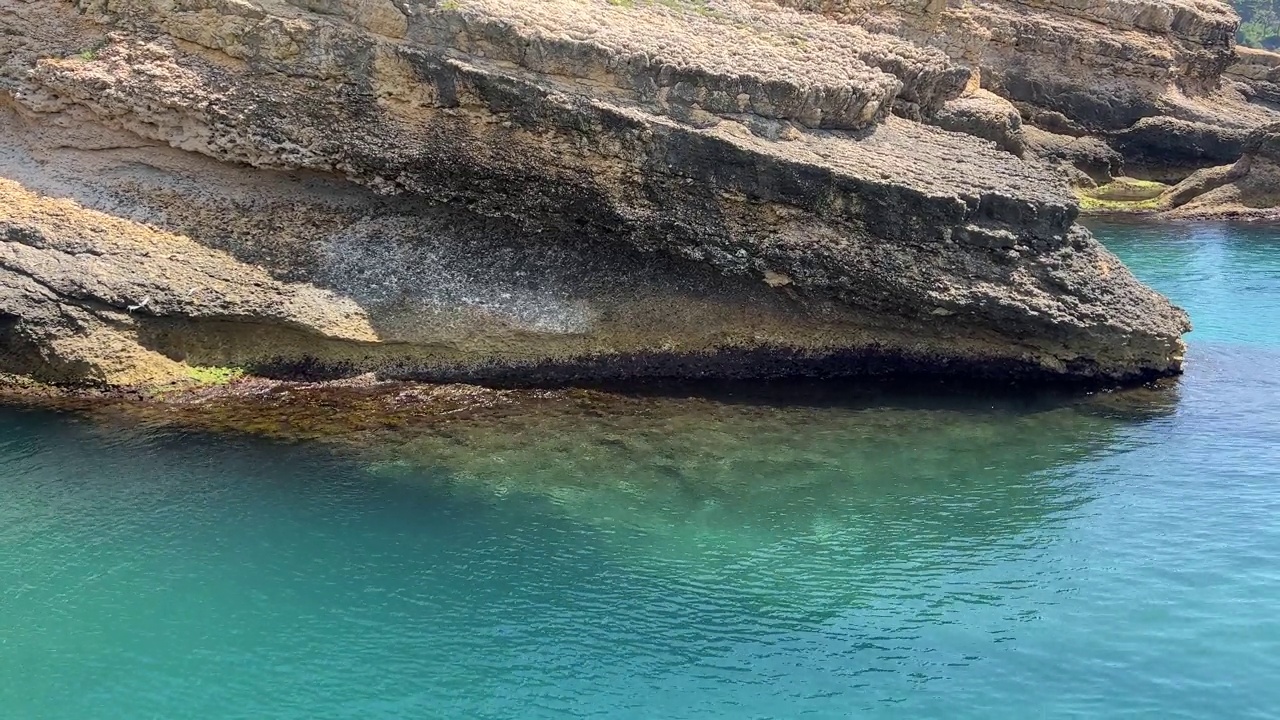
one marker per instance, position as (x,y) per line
(685,559)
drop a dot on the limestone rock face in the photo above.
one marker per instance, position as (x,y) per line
(1165,148)
(1102,63)
(1100,68)
(985,115)
(1246,189)
(566,190)
(1258,71)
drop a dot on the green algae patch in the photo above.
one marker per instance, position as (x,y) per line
(212,375)
(1122,195)
(1091,204)
(196,378)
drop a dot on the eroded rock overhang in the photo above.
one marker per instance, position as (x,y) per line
(735,140)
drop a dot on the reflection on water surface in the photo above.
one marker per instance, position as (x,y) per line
(844,551)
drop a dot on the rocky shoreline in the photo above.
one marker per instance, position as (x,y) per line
(364,412)
(1246,189)
(577,191)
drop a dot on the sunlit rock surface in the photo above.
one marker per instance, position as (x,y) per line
(570,190)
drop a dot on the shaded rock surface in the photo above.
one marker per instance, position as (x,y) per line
(1166,148)
(1159,81)
(1087,160)
(1258,72)
(1246,189)
(570,190)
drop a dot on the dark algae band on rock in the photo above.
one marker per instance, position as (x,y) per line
(563,191)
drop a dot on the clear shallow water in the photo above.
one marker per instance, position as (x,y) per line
(883,557)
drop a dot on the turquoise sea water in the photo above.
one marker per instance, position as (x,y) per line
(855,556)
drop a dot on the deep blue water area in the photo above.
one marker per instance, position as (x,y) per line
(885,558)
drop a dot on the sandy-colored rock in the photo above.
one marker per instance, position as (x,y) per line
(82,290)
(1259,72)
(1103,63)
(1100,67)
(565,190)
(1201,182)
(1247,189)
(984,114)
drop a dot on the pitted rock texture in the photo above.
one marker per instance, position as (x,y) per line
(986,115)
(1087,160)
(1102,63)
(1098,67)
(1258,71)
(733,57)
(1167,149)
(1247,189)
(567,190)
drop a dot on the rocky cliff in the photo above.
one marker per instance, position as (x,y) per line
(1257,75)
(562,190)
(1091,65)
(1246,189)
(1103,70)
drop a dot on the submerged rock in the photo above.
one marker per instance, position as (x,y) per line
(557,191)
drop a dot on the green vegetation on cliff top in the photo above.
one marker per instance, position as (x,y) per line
(1260,26)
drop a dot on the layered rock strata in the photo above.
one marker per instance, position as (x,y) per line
(1246,189)
(499,190)
(1144,77)
(1257,73)
(1103,64)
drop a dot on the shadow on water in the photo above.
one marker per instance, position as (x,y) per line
(784,490)
(739,467)
(759,460)
(590,545)
(789,498)
(772,549)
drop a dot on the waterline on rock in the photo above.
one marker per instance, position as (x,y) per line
(582,553)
